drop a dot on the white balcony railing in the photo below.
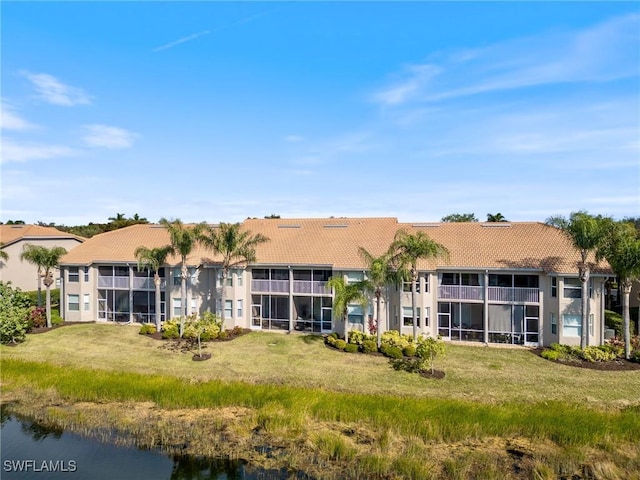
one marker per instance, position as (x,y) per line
(496,294)
(460,292)
(514,295)
(270,286)
(306,286)
(113,282)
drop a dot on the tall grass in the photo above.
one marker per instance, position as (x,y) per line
(287,407)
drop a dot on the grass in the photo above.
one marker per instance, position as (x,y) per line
(480,374)
(331,414)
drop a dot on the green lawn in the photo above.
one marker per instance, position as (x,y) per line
(485,374)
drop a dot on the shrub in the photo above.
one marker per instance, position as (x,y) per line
(223,335)
(635,356)
(351,348)
(369,346)
(357,337)
(331,340)
(550,354)
(394,338)
(391,351)
(596,354)
(56,319)
(409,351)
(429,349)
(340,344)
(614,320)
(37,318)
(14,308)
(614,346)
(33,296)
(170,330)
(147,329)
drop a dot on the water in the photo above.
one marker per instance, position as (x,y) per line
(32,451)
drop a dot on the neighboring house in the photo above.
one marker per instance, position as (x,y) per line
(513,283)
(23,274)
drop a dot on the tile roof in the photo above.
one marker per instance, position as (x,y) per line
(334,242)
(12,233)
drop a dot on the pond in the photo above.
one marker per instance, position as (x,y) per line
(33,451)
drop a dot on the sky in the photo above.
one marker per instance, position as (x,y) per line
(216,111)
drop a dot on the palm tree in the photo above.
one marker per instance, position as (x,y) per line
(498,217)
(182,241)
(344,294)
(36,255)
(405,251)
(153,259)
(46,259)
(380,273)
(621,248)
(3,255)
(237,248)
(585,232)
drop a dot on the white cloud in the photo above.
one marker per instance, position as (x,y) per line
(108,136)
(53,91)
(604,52)
(9,120)
(14,152)
(188,38)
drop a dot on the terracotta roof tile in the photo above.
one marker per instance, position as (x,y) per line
(334,242)
(12,233)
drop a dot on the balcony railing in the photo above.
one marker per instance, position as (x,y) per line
(514,295)
(113,282)
(460,292)
(495,294)
(142,283)
(306,286)
(270,286)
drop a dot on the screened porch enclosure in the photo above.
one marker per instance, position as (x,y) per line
(270,312)
(312,314)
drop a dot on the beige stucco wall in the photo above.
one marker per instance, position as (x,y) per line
(23,274)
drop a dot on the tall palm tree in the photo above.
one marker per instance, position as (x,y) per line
(46,259)
(236,246)
(182,242)
(344,294)
(3,255)
(621,248)
(153,259)
(380,273)
(586,233)
(36,255)
(405,250)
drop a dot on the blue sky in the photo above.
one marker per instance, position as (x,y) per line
(221,111)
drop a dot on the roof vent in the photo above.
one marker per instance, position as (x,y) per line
(496,225)
(425,225)
(289,226)
(335,225)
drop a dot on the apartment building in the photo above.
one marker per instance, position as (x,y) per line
(503,283)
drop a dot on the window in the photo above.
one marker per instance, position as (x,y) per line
(406,286)
(239,308)
(572,288)
(355,314)
(73,302)
(194,304)
(554,324)
(353,277)
(177,306)
(86,274)
(86,302)
(572,325)
(591,324)
(177,277)
(407,317)
(229,282)
(228,308)
(239,277)
(498,280)
(73,274)
(525,281)
(554,286)
(426,316)
(193,275)
(450,279)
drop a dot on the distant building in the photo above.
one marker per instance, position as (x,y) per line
(513,283)
(23,274)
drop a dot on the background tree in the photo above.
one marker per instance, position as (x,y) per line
(380,273)
(182,241)
(405,251)
(621,248)
(237,248)
(586,233)
(345,294)
(459,217)
(153,259)
(497,217)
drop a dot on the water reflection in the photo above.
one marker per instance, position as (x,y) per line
(28,447)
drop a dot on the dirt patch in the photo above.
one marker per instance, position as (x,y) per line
(617,365)
(436,375)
